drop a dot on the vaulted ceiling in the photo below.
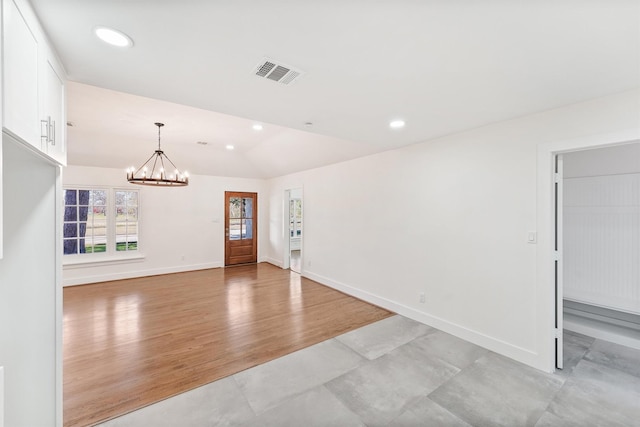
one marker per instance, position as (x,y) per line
(442,66)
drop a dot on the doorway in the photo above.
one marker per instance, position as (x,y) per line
(241,228)
(293,212)
(545,235)
(550,236)
(601,243)
(295,234)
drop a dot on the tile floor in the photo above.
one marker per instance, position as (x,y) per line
(397,372)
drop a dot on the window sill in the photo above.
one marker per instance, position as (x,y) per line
(93,261)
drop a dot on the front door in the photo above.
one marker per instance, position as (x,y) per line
(241,226)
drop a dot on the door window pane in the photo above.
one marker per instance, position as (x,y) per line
(247,204)
(235,207)
(295,218)
(247,229)
(234,229)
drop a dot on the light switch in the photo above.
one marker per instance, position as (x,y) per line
(532,237)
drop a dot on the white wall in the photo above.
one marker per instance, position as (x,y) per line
(450,218)
(602,227)
(617,160)
(28,322)
(174,223)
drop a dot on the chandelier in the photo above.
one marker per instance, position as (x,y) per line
(158,170)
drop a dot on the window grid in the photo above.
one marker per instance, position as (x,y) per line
(100,221)
(295,217)
(126,217)
(240,218)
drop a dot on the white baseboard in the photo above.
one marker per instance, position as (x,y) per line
(277,263)
(139,273)
(523,355)
(603,331)
(520,354)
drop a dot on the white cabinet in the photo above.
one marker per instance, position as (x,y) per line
(20,76)
(52,117)
(34,83)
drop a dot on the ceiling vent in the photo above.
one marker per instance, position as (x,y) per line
(277,71)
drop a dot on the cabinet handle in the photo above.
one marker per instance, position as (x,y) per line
(49,133)
(44,134)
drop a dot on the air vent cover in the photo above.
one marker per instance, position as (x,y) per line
(277,71)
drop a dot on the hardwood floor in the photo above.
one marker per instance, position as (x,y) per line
(295,261)
(133,342)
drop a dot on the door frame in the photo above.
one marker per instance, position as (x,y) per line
(545,224)
(254,238)
(558,259)
(286,231)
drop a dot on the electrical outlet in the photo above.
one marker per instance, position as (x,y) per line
(422,297)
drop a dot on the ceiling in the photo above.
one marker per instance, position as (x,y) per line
(443,66)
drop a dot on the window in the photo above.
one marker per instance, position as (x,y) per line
(85,221)
(295,217)
(126,220)
(240,218)
(100,221)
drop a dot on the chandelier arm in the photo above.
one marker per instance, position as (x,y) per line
(172,164)
(154,164)
(140,168)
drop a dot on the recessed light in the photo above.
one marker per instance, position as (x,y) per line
(257,126)
(230,147)
(113,37)
(396,124)
(202,142)
(308,124)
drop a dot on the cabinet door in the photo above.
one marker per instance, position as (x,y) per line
(20,75)
(54,111)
